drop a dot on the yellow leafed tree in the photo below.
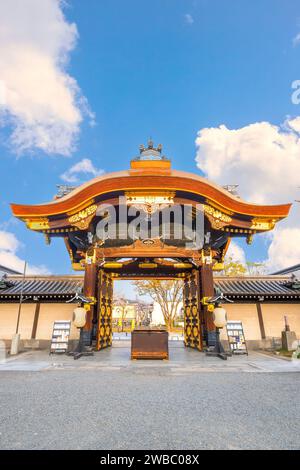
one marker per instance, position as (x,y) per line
(167,293)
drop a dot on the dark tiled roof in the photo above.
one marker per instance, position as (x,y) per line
(290,270)
(44,287)
(57,288)
(269,287)
(4,269)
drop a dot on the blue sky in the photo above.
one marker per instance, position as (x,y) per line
(165,68)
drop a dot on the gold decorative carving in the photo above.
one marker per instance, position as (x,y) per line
(206,256)
(37,224)
(83,218)
(150,196)
(147,265)
(249,239)
(148,241)
(215,223)
(219,208)
(216,214)
(182,265)
(263,224)
(113,265)
(150,202)
(77,267)
(47,239)
(91,256)
(138,250)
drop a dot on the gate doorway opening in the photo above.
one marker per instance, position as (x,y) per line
(185,316)
(148,303)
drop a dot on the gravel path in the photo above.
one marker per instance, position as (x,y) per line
(149,407)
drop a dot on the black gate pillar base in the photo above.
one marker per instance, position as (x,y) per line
(217,350)
(211,338)
(86,337)
(81,349)
(215,354)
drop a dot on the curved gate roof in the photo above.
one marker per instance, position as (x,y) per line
(147,180)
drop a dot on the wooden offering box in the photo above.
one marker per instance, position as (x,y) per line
(149,344)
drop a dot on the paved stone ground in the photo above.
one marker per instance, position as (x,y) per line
(109,402)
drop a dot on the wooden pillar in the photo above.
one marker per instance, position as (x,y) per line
(261,321)
(90,291)
(207,290)
(35,320)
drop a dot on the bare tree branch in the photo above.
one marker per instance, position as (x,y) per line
(167,293)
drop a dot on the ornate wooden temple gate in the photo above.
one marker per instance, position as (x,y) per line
(150,187)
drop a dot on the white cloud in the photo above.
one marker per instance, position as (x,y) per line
(284,250)
(43,104)
(8,241)
(84,167)
(236,253)
(188,18)
(296,39)
(9,245)
(264,160)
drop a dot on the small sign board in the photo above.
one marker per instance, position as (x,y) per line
(60,336)
(236,337)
